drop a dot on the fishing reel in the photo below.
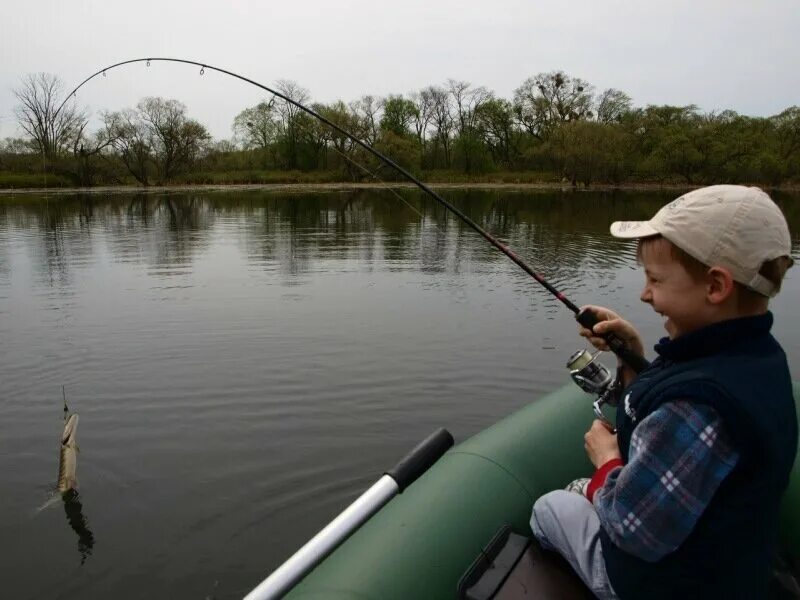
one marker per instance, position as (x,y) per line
(593,377)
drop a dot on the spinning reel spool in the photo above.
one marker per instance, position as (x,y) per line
(593,377)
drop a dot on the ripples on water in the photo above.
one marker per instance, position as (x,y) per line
(245,364)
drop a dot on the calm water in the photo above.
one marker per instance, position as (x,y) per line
(245,364)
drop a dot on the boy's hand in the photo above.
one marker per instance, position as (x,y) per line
(611,322)
(601,445)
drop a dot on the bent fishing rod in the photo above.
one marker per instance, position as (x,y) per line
(586,318)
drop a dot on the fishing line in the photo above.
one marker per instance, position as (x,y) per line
(383,184)
(370,173)
(586,318)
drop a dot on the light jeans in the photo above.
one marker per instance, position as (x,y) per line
(567,523)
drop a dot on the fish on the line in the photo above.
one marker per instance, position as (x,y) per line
(68,485)
(68,457)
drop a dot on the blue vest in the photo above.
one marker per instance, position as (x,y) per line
(739,369)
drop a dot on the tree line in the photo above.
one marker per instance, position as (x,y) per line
(555,128)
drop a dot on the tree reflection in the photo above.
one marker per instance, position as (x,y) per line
(563,234)
(77,521)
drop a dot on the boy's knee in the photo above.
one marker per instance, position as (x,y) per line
(544,507)
(551,502)
(545,514)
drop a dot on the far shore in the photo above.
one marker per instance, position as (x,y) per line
(337,187)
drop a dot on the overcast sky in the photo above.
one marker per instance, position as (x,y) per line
(738,54)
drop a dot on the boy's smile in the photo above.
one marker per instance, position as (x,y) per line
(673,292)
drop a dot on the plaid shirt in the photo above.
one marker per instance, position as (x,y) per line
(678,457)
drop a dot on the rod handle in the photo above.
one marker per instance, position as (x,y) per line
(421,458)
(637,362)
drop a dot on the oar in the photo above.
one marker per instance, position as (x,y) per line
(393,482)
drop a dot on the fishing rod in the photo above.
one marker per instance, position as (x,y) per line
(587,318)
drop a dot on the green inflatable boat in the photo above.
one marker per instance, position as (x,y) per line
(421,544)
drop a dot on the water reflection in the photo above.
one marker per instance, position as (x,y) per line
(562,235)
(295,231)
(78,523)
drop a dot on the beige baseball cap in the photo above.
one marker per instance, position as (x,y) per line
(731,226)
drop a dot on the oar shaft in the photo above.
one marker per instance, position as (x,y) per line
(394,482)
(326,541)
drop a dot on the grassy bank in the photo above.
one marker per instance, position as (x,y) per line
(9,180)
(11,183)
(33,180)
(267,177)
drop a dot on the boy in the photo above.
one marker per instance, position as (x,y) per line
(684,501)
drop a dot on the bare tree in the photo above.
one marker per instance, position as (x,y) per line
(441,120)
(313,136)
(611,105)
(177,141)
(547,100)
(132,143)
(288,113)
(156,136)
(339,114)
(86,147)
(367,110)
(51,129)
(422,118)
(258,128)
(467,101)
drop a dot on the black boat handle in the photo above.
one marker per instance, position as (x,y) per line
(421,458)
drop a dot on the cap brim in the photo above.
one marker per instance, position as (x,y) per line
(632,229)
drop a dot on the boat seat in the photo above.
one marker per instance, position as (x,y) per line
(513,566)
(542,574)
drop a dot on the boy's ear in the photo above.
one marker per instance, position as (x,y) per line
(720,285)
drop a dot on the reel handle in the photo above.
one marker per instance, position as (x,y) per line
(598,413)
(637,362)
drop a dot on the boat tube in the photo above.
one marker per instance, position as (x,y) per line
(422,542)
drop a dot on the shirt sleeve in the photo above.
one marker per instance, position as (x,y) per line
(678,456)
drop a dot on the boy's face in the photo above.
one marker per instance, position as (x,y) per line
(672,291)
